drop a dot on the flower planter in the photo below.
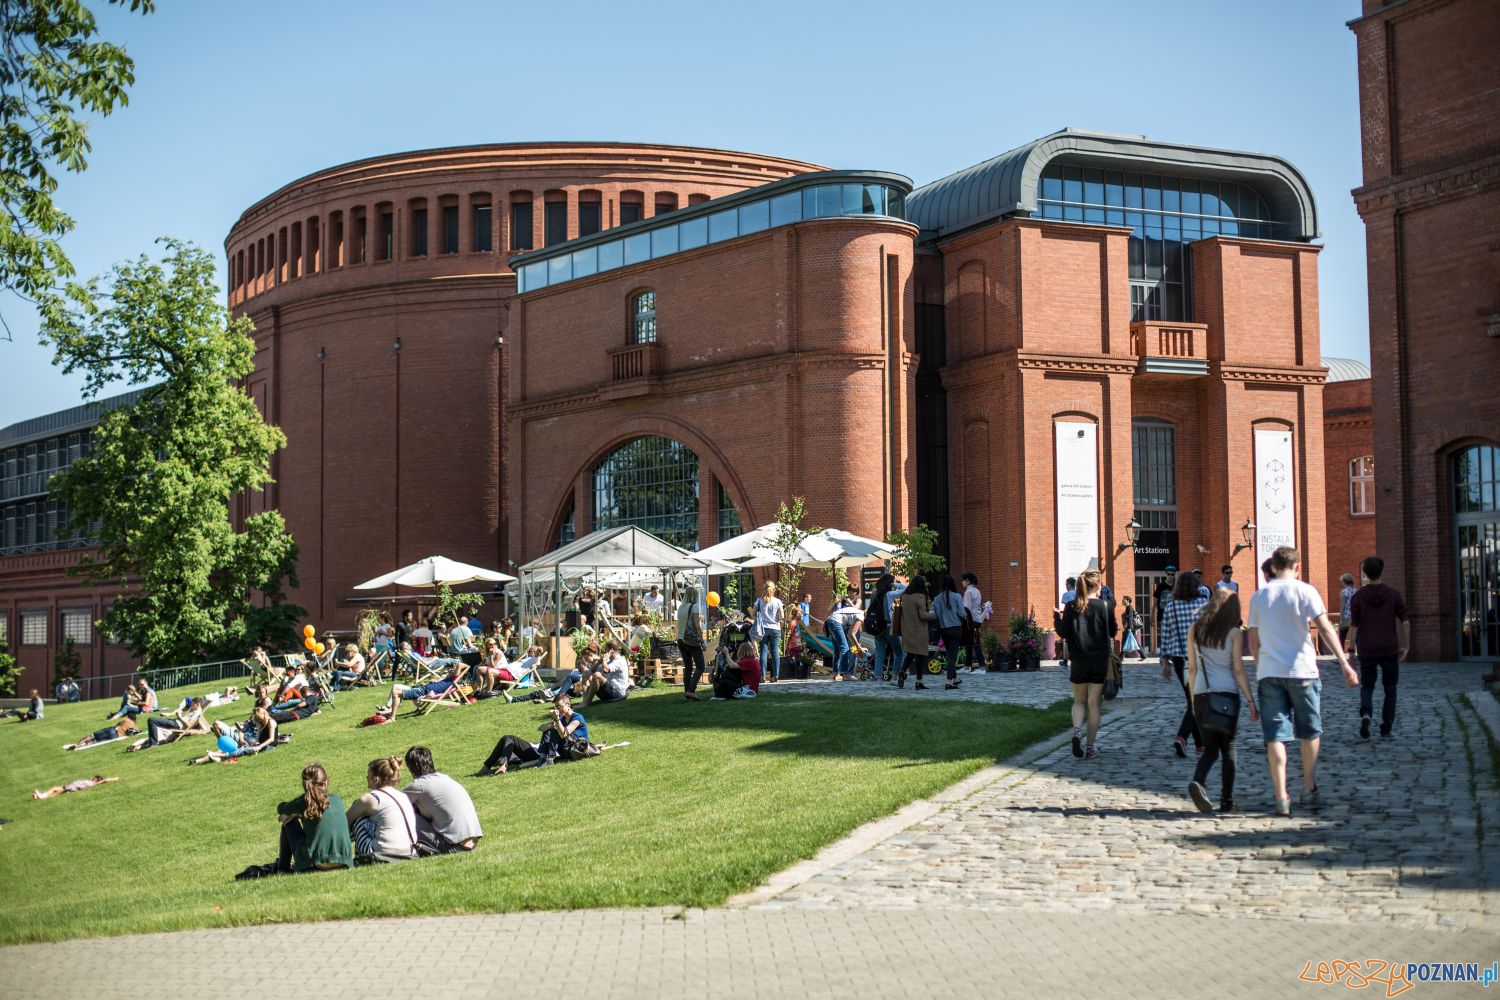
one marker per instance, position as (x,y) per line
(1029,663)
(662,649)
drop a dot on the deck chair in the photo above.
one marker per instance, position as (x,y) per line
(373,673)
(421,673)
(820,644)
(461,693)
(525,674)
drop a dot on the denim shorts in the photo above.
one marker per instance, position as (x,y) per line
(1290,708)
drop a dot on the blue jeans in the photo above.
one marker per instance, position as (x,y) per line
(770,648)
(888,654)
(843,658)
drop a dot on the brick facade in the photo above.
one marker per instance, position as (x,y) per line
(1430,200)
(1348,435)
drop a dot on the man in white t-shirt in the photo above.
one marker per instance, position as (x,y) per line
(653,600)
(1290,691)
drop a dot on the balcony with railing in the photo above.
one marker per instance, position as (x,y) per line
(634,370)
(1178,350)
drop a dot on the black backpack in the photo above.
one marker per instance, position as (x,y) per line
(875,623)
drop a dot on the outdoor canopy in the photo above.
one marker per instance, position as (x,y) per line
(432,571)
(625,547)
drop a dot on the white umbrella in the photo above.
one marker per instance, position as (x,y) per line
(432,571)
(853,550)
(756,548)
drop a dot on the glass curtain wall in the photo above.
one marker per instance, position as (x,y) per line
(650,482)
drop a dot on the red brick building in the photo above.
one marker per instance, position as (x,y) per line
(1349,468)
(1430,122)
(484,351)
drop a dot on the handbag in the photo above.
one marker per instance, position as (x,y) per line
(692,634)
(1221,711)
(1113,680)
(896,618)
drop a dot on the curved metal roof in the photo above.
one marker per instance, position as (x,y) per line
(1345,369)
(1007,184)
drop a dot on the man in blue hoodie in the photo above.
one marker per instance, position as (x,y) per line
(1380,632)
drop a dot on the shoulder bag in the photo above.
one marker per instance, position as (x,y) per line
(1221,711)
(896,618)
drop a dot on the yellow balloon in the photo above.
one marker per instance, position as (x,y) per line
(309,642)
(713,598)
(318,648)
(309,631)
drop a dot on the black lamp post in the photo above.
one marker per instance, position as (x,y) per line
(1132,535)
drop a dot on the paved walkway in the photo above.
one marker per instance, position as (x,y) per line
(1041,877)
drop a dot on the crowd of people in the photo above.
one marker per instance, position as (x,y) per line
(1204,637)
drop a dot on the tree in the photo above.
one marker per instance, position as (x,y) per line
(789,535)
(914,552)
(162,471)
(10,673)
(52,68)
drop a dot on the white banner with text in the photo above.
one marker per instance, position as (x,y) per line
(1275,494)
(1077,498)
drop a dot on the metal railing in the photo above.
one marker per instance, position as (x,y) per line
(162,678)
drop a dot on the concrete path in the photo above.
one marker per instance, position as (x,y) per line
(1044,876)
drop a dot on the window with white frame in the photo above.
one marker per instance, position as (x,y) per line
(33,628)
(78,625)
(643,313)
(4,629)
(1362,486)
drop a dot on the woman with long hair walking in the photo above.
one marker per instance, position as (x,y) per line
(948,606)
(1089,627)
(915,614)
(1177,617)
(1216,676)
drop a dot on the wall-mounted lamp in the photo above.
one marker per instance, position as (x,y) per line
(397,345)
(322,354)
(1247,531)
(1132,535)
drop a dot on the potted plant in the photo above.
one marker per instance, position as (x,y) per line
(664,639)
(1025,643)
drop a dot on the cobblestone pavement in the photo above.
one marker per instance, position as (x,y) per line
(1398,843)
(1035,688)
(1041,878)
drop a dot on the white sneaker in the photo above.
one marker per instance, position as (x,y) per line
(979,670)
(961,670)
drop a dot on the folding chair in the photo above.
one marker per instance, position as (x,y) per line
(421,673)
(373,674)
(460,693)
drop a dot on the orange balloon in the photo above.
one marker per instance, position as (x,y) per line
(319,649)
(309,642)
(309,631)
(713,598)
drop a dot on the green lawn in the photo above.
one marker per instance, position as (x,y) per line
(709,800)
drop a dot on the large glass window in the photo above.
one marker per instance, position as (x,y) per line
(419,232)
(482,241)
(566,531)
(555,222)
(33,628)
(650,482)
(1154,470)
(520,225)
(1362,486)
(589,217)
(78,626)
(1476,515)
(1165,214)
(643,327)
(729,517)
(450,229)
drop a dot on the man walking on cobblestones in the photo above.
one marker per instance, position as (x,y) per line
(1290,692)
(1380,633)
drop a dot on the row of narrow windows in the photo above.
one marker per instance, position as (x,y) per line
(387,231)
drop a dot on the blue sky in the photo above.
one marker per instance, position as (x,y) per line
(234,100)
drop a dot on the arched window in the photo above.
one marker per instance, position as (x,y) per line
(643,318)
(567,530)
(650,482)
(1362,486)
(1476,516)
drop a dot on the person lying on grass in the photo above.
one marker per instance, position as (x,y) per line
(300,708)
(421,692)
(446,820)
(184,721)
(125,727)
(251,737)
(73,786)
(382,821)
(314,832)
(563,728)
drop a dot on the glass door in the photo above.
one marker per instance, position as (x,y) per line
(1145,604)
(1476,510)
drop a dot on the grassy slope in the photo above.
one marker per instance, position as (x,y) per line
(710,800)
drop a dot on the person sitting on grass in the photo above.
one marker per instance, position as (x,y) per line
(35,708)
(314,834)
(611,680)
(742,678)
(258,734)
(123,728)
(565,726)
(73,786)
(137,698)
(382,821)
(350,670)
(67,691)
(421,692)
(182,722)
(588,661)
(446,820)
